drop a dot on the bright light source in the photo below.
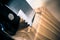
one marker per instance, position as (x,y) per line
(36,3)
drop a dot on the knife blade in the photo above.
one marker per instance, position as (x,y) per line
(22,9)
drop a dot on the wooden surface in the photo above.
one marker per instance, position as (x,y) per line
(45,27)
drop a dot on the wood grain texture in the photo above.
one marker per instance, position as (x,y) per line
(45,27)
